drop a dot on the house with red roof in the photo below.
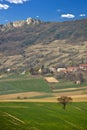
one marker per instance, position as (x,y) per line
(83,66)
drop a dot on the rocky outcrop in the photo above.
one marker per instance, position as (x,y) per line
(26,22)
(16,24)
(19,24)
(32,21)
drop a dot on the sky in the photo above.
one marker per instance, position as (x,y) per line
(45,10)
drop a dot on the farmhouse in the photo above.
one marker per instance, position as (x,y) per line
(72,69)
(83,66)
(78,82)
(61,69)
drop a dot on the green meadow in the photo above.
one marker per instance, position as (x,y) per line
(42,116)
(37,115)
(14,85)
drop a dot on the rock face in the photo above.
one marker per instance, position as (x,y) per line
(32,21)
(9,25)
(16,24)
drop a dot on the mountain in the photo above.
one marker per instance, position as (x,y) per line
(32,42)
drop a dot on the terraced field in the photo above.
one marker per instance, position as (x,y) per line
(43,116)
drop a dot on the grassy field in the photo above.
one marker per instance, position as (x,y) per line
(43,116)
(12,86)
(36,84)
(67,84)
(39,116)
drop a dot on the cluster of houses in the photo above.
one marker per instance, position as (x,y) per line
(55,70)
(82,67)
(46,70)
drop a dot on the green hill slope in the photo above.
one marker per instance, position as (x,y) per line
(42,116)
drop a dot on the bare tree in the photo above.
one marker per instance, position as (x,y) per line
(64,100)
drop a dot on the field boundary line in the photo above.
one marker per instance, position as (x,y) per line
(66,89)
(74,125)
(14,117)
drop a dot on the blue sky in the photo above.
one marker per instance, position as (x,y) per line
(46,10)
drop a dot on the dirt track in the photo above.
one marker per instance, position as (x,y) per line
(67,89)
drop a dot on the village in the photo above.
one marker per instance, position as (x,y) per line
(76,74)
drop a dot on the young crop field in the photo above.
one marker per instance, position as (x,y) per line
(16,86)
(42,116)
(39,84)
